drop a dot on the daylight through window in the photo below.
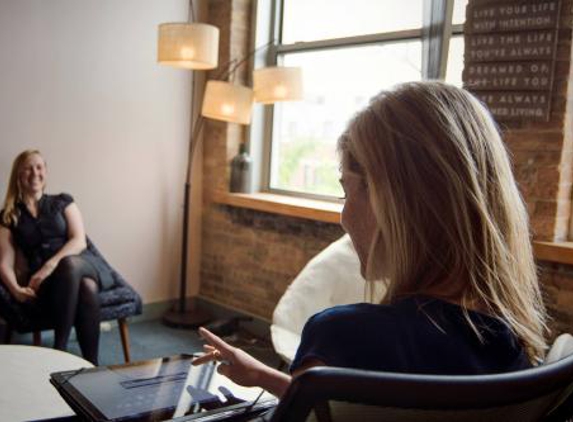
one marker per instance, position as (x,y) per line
(347,54)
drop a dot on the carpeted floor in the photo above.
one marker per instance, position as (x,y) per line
(152,339)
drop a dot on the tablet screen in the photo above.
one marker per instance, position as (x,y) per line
(167,387)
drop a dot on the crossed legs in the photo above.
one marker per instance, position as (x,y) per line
(71,293)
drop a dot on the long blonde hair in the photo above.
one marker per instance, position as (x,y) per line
(14,193)
(450,220)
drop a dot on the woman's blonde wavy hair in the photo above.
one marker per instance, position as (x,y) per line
(450,220)
(14,192)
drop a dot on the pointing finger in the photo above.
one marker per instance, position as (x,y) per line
(214,340)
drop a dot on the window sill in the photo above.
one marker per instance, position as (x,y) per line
(291,206)
(560,252)
(328,212)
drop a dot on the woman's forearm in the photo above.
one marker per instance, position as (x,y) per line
(275,382)
(8,261)
(8,277)
(73,246)
(240,367)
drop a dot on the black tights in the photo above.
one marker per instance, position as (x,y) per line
(71,297)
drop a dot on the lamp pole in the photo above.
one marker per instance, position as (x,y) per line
(179,46)
(187,315)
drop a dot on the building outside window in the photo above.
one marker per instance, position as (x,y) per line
(347,54)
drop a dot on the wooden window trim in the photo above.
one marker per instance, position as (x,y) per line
(329,212)
(312,209)
(559,252)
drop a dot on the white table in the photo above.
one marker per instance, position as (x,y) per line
(25,390)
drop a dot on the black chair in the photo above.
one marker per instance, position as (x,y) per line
(539,394)
(117,303)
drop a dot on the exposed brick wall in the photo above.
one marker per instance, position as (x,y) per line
(248,257)
(542,155)
(542,152)
(221,140)
(551,153)
(557,283)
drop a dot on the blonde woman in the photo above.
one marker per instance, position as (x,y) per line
(434,212)
(49,231)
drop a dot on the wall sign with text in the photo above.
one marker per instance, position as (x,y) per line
(510,56)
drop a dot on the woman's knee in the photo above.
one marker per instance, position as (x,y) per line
(89,290)
(89,285)
(69,264)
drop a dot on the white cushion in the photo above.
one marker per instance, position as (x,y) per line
(561,348)
(285,342)
(330,278)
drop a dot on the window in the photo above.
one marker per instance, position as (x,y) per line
(455,58)
(348,51)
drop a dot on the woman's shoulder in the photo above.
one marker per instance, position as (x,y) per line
(409,310)
(62,199)
(334,335)
(399,307)
(356,313)
(55,204)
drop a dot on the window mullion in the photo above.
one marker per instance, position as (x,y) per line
(435,40)
(264,31)
(457,29)
(446,36)
(350,41)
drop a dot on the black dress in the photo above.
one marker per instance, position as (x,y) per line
(43,236)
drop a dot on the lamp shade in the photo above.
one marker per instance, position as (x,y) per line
(272,84)
(227,102)
(188,45)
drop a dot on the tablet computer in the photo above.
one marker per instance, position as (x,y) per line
(156,390)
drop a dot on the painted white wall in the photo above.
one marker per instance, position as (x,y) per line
(79,81)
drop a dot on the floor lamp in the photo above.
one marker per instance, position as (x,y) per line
(195,46)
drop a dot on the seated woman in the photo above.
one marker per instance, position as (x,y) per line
(434,212)
(65,276)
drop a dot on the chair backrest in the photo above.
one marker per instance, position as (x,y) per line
(523,396)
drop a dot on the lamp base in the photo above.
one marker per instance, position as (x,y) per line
(191,317)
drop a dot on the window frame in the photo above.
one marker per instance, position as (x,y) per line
(435,34)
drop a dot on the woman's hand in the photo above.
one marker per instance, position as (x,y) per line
(39,276)
(236,364)
(24,294)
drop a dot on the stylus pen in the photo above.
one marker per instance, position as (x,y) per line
(206,357)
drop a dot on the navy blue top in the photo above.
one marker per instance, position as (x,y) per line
(418,334)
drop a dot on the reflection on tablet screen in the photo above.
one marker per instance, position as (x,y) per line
(170,386)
